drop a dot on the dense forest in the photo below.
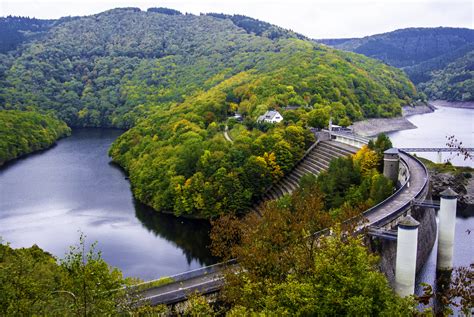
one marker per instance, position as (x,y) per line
(174,79)
(454,82)
(438,60)
(108,69)
(23,132)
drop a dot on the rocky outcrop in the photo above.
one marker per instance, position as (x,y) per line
(462,183)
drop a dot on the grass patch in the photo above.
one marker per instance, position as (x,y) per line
(445,167)
(152,284)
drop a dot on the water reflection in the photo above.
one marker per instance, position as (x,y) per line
(190,235)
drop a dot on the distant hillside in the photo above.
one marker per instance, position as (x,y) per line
(454,82)
(258,27)
(423,53)
(174,80)
(108,69)
(15,30)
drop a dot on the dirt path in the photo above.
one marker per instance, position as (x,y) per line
(226,134)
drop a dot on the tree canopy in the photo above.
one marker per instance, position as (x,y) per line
(25,132)
(286,269)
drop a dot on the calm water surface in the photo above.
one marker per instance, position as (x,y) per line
(47,198)
(431,132)
(434,127)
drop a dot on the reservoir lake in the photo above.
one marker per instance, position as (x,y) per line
(48,198)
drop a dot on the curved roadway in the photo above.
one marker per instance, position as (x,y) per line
(394,205)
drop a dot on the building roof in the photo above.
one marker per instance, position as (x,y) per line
(408,222)
(269,115)
(391,151)
(448,193)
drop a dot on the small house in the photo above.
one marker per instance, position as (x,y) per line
(238,117)
(271,116)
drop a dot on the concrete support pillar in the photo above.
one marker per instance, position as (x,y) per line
(440,157)
(391,162)
(446,227)
(405,266)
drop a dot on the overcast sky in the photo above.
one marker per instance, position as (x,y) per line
(313,18)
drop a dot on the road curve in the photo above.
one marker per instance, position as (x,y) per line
(226,134)
(394,205)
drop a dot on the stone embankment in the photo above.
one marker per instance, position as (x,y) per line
(372,127)
(453,104)
(420,108)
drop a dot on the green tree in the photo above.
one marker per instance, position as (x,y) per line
(32,283)
(94,285)
(319,118)
(28,282)
(285,271)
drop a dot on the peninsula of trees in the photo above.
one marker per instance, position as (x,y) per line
(23,132)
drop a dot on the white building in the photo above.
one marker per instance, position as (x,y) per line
(271,116)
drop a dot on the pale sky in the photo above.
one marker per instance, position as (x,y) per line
(313,18)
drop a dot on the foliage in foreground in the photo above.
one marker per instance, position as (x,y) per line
(453,293)
(32,282)
(25,132)
(285,271)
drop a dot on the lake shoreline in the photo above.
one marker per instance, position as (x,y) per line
(373,127)
(9,162)
(453,104)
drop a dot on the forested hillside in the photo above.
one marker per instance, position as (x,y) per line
(454,82)
(16,30)
(424,54)
(174,79)
(23,132)
(107,69)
